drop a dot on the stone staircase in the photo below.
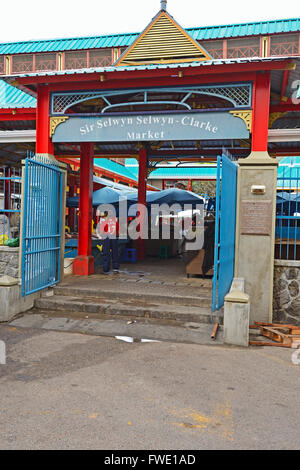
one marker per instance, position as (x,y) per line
(131,302)
(130,306)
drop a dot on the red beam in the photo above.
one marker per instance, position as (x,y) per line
(153,82)
(285,151)
(17,114)
(195,153)
(285,80)
(284,107)
(160,73)
(98,171)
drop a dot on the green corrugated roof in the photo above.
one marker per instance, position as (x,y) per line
(115,167)
(11,97)
(289,167)
(133,166)
(67,44)
(246,29)
(122,40)
(188,173)
(288,161)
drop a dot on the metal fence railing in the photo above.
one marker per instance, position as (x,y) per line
(10,202)
(287,228)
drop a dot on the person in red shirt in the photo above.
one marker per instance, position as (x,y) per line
(109,232)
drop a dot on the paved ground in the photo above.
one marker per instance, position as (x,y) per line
(69,391)
(142,328)
(148,274)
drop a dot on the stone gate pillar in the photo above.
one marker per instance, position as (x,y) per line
(256,210)
(255,236)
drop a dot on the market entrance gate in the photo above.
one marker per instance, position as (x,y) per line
(152,117)
(42,219)
(225,225)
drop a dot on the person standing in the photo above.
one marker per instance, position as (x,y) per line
(109,232)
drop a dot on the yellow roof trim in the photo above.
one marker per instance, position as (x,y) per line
(163,41)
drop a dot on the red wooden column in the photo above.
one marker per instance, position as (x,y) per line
(7,190)
(142,187)
(72,192)
(260,116)
(84,263)
(43,140)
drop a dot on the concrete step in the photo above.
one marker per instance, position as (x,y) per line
(131,310)
(151,329)
(202,298)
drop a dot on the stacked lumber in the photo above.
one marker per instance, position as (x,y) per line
(287,336)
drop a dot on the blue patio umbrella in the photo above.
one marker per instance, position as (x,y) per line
(107,195)
(104,195)
(282,196)
(168,196)
(174,196)
(73,201)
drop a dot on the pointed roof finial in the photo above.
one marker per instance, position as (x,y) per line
(163,5)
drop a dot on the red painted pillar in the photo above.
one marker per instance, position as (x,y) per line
(43,140)
(72,193)
(7,190)
(84,263)
(260,116)
(140,243)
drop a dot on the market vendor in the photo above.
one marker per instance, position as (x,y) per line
(108,231)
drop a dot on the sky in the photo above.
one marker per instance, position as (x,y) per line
(37,19)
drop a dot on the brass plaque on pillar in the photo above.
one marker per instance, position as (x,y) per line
(256,217)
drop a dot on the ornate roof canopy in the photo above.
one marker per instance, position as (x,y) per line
(163,41)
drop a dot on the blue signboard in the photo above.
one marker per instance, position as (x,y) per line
(151,127)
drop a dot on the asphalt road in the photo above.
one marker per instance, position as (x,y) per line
(69,391)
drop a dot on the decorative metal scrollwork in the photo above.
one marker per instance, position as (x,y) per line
(246,116)
(238,95)
(55,121)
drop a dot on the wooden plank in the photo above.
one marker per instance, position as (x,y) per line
(265,343)
(278,335)
(266,331)
(285,241)
(295,330)
(292,329)
(275,325)
(275,335)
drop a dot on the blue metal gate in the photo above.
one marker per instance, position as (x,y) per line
(41,233)
(224,230)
